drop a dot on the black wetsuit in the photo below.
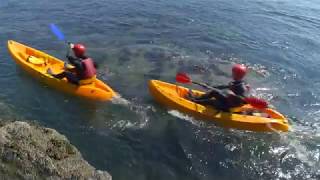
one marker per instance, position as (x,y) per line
(237,87)
(224,100)
(74,76)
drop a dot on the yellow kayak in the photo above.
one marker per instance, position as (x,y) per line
(245,117)
(37,63)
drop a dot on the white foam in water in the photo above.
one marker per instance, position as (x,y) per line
(120,100)
(140,110)
(283,175)
(301,152)
(184,117)
(122,124)
(295,148)
(264,89)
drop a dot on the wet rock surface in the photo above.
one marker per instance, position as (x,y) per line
(33,152)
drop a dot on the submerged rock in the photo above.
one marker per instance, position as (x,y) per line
(33,152)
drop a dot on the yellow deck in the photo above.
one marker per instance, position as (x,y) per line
(37,62)
(172,96)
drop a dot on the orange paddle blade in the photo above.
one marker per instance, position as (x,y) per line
(256,102)
(183,78)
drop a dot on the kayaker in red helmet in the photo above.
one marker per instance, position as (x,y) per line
(232,94)
(84,70)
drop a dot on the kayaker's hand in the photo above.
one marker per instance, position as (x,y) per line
(65,65)
(71,45)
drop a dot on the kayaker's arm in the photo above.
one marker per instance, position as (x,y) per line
(222,86)
(75,62)
(72,60)
(203,85)
(211,87)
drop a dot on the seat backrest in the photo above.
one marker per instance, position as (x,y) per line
(30,52)
(22,56)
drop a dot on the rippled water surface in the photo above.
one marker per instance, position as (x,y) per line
(137,40)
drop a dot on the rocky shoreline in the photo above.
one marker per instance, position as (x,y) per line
(28,151)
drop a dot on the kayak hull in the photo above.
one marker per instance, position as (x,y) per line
(172,96)
(21,53)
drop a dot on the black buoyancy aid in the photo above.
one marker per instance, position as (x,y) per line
(238,87)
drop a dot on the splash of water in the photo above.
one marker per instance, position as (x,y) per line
(185,117)
(120,100)
(138,109)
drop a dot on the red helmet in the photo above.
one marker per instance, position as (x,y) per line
(238,71)
(79,50)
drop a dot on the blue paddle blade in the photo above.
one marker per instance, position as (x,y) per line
(57,32)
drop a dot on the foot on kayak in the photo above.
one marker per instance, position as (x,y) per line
(190,95)
(49,71)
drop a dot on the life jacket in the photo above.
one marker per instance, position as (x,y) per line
(233,100)
(239,88)
(89,69)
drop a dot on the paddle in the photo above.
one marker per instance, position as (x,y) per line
(253,101)
(56,31)
(185,79)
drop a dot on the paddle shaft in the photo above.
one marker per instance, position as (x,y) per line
(259,103)
(253,101)
(69,47)
(58,33)
(202,84)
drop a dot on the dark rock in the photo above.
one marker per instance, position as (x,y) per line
(32,152)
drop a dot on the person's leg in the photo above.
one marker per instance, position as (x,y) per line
(213,93)
(60,75)
(71,77)
(213,98)
(218,104)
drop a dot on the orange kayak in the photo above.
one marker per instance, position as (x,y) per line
(245,117)
(37,63)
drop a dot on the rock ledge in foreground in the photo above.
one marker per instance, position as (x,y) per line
(33,152)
